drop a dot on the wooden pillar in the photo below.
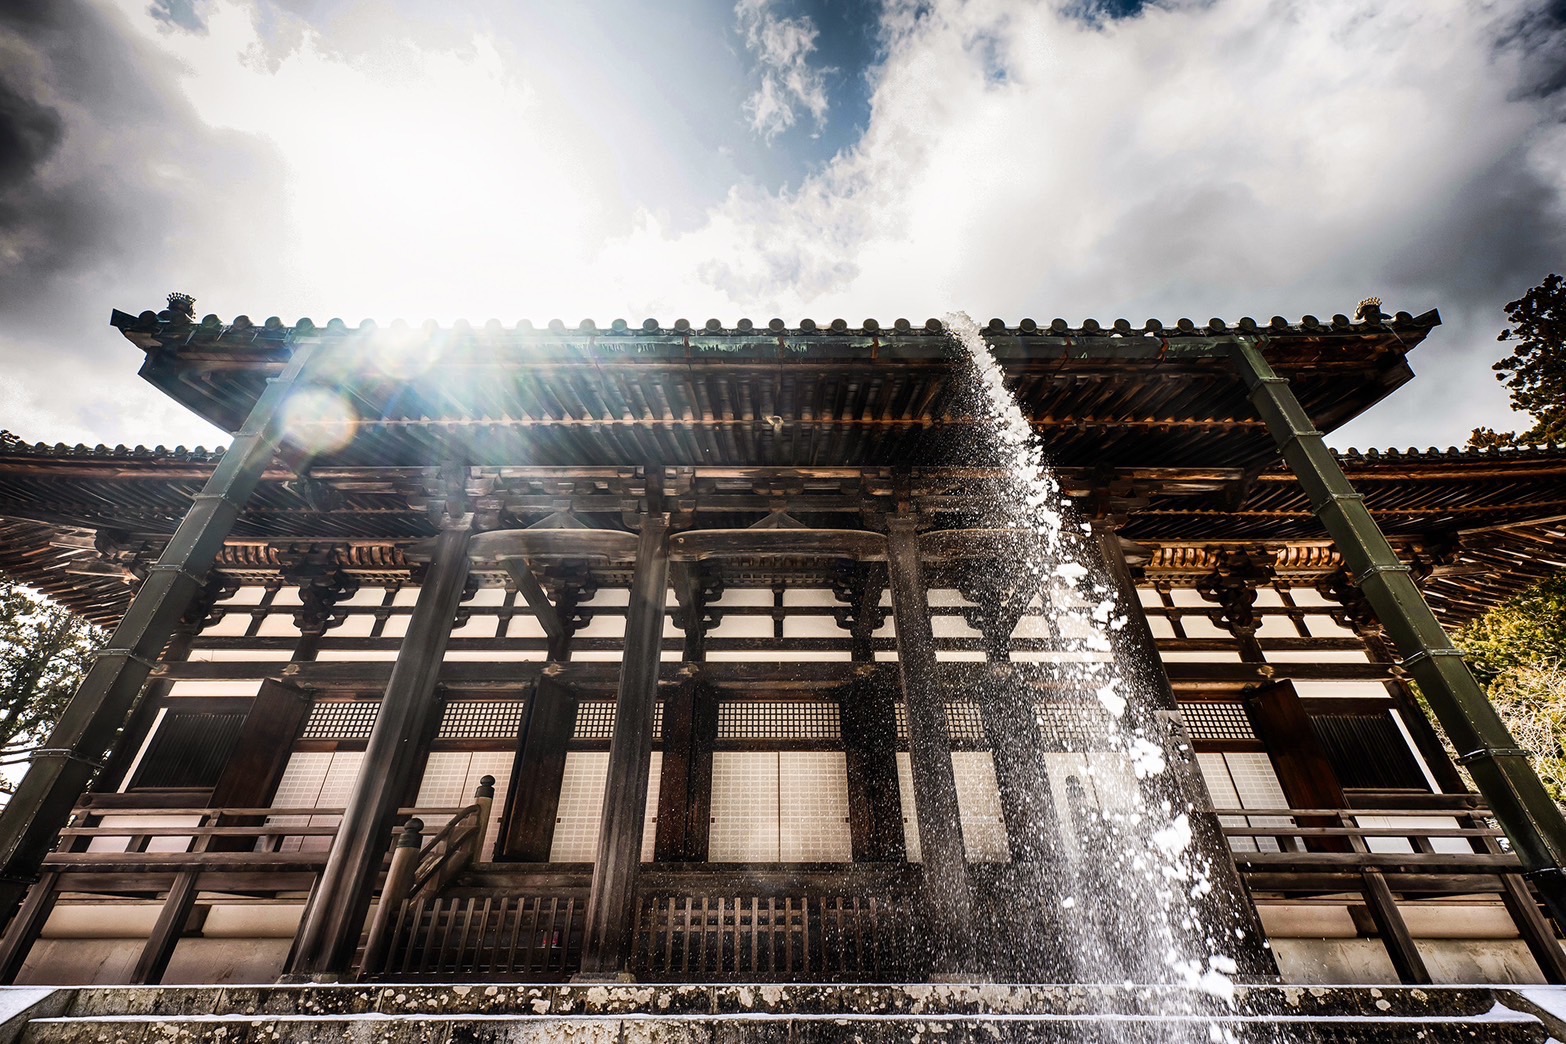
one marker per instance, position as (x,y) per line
(262,750)
(60,771)
(1021,773)
(534,798)
(332,920)
(611,903)
(947,889)
(1304,771)
(1228,907)
(868,711)
(690,728)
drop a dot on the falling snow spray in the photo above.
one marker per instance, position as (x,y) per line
(1128,884)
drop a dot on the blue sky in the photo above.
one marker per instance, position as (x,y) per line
(798,158)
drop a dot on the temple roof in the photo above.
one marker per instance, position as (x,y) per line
(805,395)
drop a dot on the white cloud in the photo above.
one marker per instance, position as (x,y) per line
(1203,159)
(782,48)
(1225,157)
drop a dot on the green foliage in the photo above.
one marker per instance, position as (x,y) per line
(1535,372)
(44,651)
(1528,629)
(1518,650)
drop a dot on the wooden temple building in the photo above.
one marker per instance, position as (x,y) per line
(684,653)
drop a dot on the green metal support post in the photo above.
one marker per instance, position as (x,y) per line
(61,770)
(1499,767)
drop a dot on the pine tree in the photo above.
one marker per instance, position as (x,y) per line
(45,650)
(1535,372)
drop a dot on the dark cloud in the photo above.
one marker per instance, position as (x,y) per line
(1538,36)
(112,193)
(29,132)
(1496,236)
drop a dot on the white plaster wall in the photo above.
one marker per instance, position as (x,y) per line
(79,962)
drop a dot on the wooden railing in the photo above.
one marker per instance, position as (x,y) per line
(532,938)
(173,853)
(751,938)
(1388,856)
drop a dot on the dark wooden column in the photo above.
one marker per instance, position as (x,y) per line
(535,795)
(947,889)
(1001,588)
(868,710)
(335,913)
(261,752)
(1228,907)
(60,771)
(690,728)
(611,904)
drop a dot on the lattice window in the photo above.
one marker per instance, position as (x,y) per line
(964,722)
(595,720)
(794,721)
(482,719)
(1217,721)
(1067,725)
(341,720)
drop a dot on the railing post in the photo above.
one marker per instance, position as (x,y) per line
(1390,926)
(404,861)
(1499,767)
(484,798)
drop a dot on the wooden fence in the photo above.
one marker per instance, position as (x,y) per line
(532,938)
(799,938)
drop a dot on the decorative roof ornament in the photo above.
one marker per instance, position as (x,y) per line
(182,305)
(1369,309)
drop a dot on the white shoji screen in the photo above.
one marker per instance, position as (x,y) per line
(315,780)
(580,814)
(979,805)
(779,806)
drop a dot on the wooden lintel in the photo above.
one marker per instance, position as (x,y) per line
(704,544)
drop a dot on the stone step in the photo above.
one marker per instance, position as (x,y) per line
(795,1014)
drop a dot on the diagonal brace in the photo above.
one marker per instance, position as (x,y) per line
(1502,771)
(536,597)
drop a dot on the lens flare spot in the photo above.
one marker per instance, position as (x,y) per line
(404,354)
(319,420)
